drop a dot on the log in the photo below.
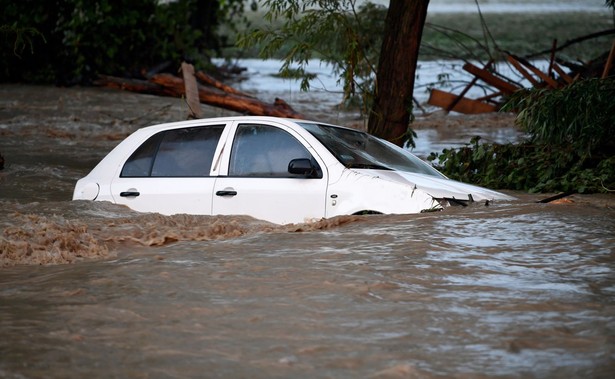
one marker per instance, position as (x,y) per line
(444,99)
(133,85)
(172,86)
(489,78)
(228,101)
(210,81)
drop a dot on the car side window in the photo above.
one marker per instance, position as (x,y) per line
(265,151)
(186,152)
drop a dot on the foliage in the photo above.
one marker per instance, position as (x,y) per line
(581,114)
(118,37)
(340,33)
(527,167)
(570,146)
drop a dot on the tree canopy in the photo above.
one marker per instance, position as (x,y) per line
(71,41)
(350,37)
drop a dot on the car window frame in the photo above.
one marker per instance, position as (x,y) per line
(226,147)
(160,135)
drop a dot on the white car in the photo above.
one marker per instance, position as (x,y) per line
(274,169)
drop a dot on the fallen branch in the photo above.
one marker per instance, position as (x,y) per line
(228,101)
(572,42)
(170,85)
(208,80)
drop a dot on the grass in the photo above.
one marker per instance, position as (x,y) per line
(520,34)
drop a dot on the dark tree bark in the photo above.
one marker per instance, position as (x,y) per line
(390,114)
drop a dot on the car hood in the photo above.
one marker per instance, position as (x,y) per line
(439,188)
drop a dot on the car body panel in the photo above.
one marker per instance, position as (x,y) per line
(165,195)
(440,188)
(347,196)
(278,200)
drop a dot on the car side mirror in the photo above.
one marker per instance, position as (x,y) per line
(303,167)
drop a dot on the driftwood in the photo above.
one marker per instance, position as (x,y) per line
(453,102)
(519,63)
(228,101)
(220,95)
(554,78)
(192,96)
(208,80)
(489,78)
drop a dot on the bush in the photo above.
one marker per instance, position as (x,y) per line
(570,149)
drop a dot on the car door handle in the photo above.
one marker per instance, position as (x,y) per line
(129,194)
(226,193)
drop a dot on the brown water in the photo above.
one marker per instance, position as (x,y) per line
(513,290)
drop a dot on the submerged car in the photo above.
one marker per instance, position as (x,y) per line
(274,169)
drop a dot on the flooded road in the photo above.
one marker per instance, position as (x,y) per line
(513,290)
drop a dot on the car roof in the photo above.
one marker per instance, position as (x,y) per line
(196,122)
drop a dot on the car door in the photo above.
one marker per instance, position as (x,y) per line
(258,182)
(170,172)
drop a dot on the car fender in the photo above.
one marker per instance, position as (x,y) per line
(356,192)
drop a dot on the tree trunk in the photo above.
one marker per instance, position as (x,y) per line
(390,114)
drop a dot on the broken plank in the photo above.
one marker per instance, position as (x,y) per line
(562,74)
(192,92)
(489,97)
(545,78)
(609,62)
(464,105)
(522,70)
(492,80)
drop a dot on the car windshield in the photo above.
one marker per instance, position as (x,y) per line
(356,149)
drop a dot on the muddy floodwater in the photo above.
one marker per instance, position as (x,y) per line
(88,289)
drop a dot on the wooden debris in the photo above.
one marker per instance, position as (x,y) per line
(516,61)
(555,77)
(609,62)
(559,196)
(522,70)
(489,78)
(192,92)
(452,105)
(208,80)
(221,96)
(241,104)
(562,74)
(444,100)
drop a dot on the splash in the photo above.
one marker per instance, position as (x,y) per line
(46,240)
(40,240)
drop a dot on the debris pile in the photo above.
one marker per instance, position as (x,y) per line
(501,86)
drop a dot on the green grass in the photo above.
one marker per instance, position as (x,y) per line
(520,34)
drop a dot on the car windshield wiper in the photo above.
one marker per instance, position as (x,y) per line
(368,165)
